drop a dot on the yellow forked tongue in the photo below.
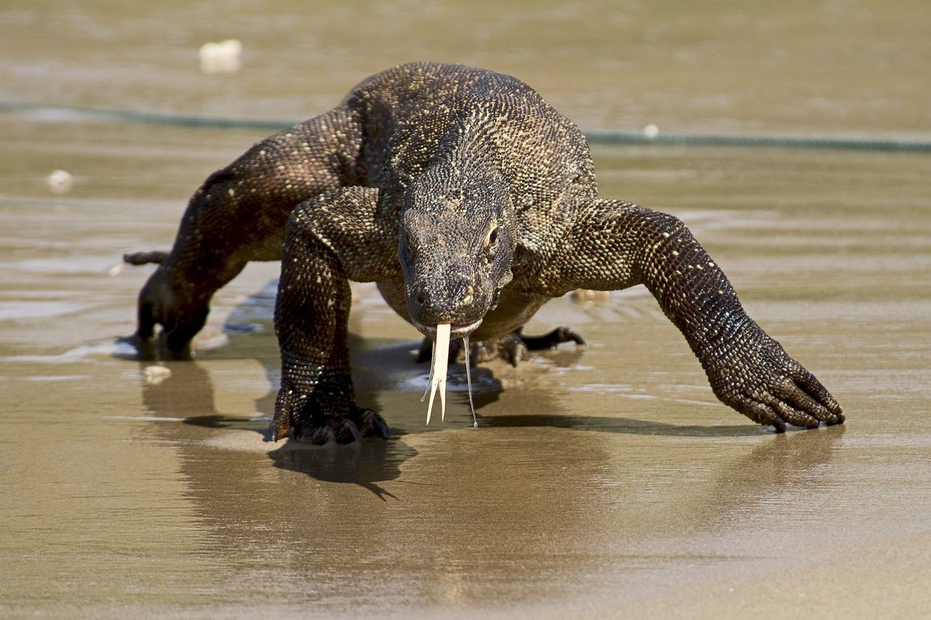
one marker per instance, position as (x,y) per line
(438,372)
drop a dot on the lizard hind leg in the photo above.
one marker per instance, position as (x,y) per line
(551,340)
(514,347)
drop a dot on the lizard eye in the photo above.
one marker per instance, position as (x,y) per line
(492,238)
(409,243)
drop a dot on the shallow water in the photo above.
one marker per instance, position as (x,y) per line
(607,481)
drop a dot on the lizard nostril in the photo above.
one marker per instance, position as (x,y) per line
(421,298)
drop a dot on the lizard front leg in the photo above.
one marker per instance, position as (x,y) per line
(328,241)
(239,215)
(615,245)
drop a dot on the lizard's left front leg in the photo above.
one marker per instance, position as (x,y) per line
(328,241)
(615,245)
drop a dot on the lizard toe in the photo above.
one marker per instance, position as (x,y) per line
(758,411)
(371,424)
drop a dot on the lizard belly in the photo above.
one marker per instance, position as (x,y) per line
(514,310)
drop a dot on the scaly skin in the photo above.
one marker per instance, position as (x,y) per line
(469,200)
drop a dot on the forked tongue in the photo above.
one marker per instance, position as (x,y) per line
(438,370)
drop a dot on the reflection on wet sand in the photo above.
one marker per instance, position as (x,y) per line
(498,497)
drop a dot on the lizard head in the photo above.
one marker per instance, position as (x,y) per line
(456,244)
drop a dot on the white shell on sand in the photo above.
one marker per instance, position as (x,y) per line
(223,57)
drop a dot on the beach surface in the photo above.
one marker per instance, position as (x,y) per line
(601,482)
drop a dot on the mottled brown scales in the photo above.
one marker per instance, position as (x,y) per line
(470,201)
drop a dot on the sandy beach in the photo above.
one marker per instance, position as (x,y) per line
(604,481)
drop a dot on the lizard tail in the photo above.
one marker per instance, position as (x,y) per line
(144,258)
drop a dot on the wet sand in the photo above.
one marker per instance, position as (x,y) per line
(602,482)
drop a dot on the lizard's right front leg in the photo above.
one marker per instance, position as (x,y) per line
(329,240)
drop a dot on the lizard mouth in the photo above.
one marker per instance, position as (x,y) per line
(457,330)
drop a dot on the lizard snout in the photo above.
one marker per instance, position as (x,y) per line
(453,301)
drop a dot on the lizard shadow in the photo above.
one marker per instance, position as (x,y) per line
(626,426)
(384,374)
(187,394)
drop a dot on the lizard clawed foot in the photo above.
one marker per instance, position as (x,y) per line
(362,424)
(558,336)
(773,389)
(513,347)
(798,400)
(146,350)
(307,424)
(510,348)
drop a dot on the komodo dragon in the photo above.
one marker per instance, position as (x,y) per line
(470,202)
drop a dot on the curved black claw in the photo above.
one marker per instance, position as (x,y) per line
(362,424)
(370,424)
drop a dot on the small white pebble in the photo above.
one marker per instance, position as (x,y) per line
(60,181)
(117,269)
(651,131)
(156,374)
(223,57)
